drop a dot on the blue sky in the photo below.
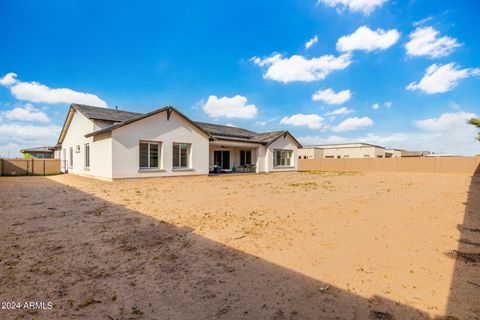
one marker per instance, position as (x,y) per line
(402,74)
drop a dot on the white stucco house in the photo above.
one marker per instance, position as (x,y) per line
(110,144)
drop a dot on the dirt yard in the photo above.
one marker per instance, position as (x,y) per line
(278,246)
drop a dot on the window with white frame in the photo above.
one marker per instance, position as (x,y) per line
(87,155)
(149,155)
(181,155)
(282,158)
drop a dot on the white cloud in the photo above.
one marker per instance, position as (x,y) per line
(449,133)
(8,79)
(353,123)
(312,121)
(424,41)
(447,122)
(26,113)
(36,92)
(235,107)
(311,42)
(29,133)
(299,68)
(11,150)
(331,97)
(388,104)
(340,111)
(264,123)
(363,6)
(375,106)
(442,78)
(365,39)
(422,21)
(229,124)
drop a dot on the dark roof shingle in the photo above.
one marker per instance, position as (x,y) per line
(217,131)
(226,131)
(105,114)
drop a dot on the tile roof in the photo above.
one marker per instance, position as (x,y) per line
(105,114)
(226,131)
(215,131)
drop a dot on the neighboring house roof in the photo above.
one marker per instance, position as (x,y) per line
(38,149)
(122,118)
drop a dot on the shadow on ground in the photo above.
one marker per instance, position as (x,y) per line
(105,261)
(465,287)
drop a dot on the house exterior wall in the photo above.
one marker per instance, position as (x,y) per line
(285,143)
(261,159)
(100,154)
(310,153)
(126,139)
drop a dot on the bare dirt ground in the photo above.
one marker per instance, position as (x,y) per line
(277,246)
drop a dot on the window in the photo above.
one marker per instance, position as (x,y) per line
(71,157)
(282,158)
(40,156)
(87,156)
(245,157)
(338,157)
(328,157)
(149,154)
(366,156)
(181,155)
(77,149)
(346,156)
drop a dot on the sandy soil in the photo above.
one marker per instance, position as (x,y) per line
(277,246)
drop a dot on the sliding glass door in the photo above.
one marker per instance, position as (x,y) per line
(221,159)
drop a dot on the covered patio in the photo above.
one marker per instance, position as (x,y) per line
(233,156)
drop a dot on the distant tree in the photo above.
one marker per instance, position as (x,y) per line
(27,155)
(475,122)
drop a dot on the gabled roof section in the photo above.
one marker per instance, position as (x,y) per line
(270,137)
(105,114)
(94,113)
(167,109)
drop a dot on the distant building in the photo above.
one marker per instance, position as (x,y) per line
(40,152)
(410,154)
(393,153)
(353,150)
(342,150)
